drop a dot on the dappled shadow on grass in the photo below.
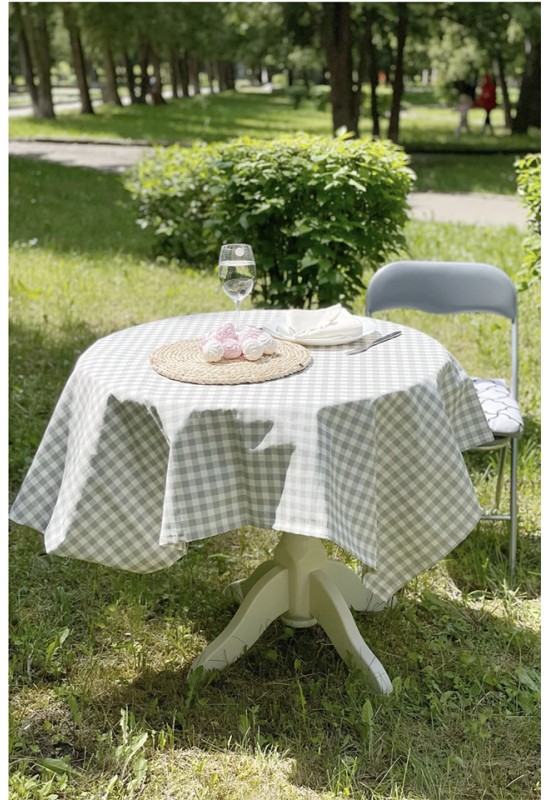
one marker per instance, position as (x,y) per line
(72,210)
(293,693)
(133,638)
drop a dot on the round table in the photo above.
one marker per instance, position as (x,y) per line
(362,450)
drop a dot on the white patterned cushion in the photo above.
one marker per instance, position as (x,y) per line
(501,410)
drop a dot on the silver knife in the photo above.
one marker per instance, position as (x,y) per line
(362,347)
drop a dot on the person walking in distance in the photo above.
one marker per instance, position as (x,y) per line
(487,100)
(466,98)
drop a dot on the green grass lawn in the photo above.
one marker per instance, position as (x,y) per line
(221,116)
(100,705)
(490,173)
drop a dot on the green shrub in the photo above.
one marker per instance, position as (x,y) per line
(314,210)
(528,172)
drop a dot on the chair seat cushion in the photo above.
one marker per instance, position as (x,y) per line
(500,408)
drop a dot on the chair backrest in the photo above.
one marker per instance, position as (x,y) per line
(446,287)
(442,287)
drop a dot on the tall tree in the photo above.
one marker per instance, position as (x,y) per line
(25,56)
(397,82)
(156,84)
(77,51)
(128,62)
(105,28)
(337,42)
(33,23)
(110,87)
(368,64)
(528,112)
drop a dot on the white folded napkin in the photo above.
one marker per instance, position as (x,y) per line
(324,324)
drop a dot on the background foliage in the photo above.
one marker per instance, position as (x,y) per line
(529,189)
(315,210)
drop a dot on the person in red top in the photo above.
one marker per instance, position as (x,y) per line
(487,99)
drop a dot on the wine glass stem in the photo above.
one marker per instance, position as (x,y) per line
(238,306)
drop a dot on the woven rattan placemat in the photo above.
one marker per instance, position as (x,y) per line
(184,361)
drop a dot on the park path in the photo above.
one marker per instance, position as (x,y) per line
(116,156)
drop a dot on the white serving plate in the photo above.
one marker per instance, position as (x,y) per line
(369,326)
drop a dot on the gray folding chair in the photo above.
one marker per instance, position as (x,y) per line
(440,287)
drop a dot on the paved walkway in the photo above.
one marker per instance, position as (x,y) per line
(117,156)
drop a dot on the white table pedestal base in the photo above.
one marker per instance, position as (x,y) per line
(304,587)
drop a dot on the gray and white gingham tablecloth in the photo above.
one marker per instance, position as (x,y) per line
(362,450)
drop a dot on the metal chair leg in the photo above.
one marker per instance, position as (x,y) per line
(502,461)
(513,506)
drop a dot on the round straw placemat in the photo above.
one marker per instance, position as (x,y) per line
(184,361)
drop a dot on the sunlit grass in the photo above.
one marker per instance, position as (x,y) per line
(486,173)
(100,658)
(206,117)
(223,116)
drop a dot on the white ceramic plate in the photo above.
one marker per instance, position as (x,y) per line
(369,326)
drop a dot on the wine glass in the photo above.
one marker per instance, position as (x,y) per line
(237,270)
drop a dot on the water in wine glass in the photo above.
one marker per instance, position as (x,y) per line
(239,286)
(237,270)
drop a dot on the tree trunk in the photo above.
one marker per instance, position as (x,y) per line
(528,111)
(175,75)
(144,72)
(230,75)
(79,62)
(226,76)
(184,72)
(506,106)
(220,69)
(193,67)
(397,87)
(130,77)
(156,86)
(210,71)
(336,35)
(110,91)
(44,64)
(368,69)
(25,58)
(35,25)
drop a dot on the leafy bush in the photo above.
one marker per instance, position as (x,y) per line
(528,172)
(314,209)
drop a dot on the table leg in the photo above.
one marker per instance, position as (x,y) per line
(264,602)
(239,589)
(350,585)
(354,591)
(303,586)
(334,616)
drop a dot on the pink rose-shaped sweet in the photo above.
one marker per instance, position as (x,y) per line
(212,350)
(226,332)
(252,349)
(247,332)
(231,348)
